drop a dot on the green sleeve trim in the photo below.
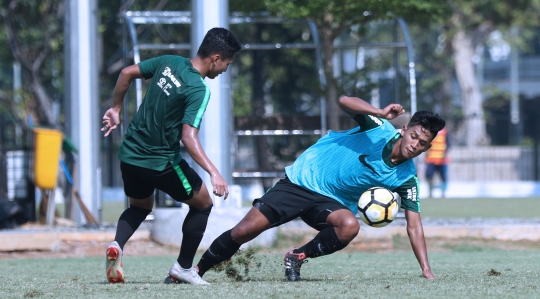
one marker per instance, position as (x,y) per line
(367,122)
(200,113)
(183,178)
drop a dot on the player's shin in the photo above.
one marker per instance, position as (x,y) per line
(128,223)
(222,249)
(193,231)
(326,242)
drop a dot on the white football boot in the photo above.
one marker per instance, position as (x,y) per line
(190,275)
(115,271)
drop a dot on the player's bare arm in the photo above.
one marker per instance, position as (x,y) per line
(193,145)
(111,119)
(415,231)
(354,106)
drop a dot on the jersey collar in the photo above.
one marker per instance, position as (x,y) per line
(387,151)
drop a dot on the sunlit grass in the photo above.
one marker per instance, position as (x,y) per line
(460,274)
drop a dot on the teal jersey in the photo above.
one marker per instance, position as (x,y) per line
(343,165)
(176,95)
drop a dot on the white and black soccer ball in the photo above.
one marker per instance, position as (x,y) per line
(377,207)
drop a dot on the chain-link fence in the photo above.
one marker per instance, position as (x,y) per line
(17,192)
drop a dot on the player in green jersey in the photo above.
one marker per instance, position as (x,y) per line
(323,186)
(171,112)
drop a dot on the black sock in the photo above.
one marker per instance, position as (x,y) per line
(128,223)
(326,242)
(193,231)
(222,249)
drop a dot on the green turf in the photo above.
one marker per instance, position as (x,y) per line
(111,211)
(431,207)
(109,214)
(460,275)
(480,207)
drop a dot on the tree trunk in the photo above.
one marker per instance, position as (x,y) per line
(45,108)
(332,106)
(475,126)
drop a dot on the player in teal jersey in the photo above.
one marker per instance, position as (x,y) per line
(323,186)
(172,110)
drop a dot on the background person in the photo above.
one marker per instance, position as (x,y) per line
(437,161)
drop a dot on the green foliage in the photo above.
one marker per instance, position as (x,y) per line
(284,81)
(37,28)
(522,13)
(353,12)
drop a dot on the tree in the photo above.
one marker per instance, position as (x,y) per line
(469,25)
(332,17)
(33,31)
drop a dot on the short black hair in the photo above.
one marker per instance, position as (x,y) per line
(428,120)
(219,41)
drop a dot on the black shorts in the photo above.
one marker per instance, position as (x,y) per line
(289,201)
(179,182)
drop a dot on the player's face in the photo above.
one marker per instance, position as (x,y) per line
(416,140)
(219,66)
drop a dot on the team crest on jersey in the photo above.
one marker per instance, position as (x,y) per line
(167,72)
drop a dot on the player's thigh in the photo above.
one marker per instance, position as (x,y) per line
(442,172)
(137,186)
(430,170)
(252,225)
(145,203)
(287,201)
(318,216)
(201,198)
(180,182)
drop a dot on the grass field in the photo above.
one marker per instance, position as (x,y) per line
(468,269)
(483,274)
(481,207)
(432,208)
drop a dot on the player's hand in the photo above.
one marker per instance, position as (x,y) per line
(219,184)
(392,111)
(111,120)
(428,274)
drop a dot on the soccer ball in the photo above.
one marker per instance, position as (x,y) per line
(377,207)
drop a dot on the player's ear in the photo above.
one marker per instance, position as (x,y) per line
(403,129)
(215,57)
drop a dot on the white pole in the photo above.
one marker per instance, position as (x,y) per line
(216,128)
(82,78)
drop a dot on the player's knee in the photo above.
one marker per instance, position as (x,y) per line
(142,204)
(205,211)
(348,229)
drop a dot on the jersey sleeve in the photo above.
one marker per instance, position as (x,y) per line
(410,195)
(150,66)
(367,122)
(196,103)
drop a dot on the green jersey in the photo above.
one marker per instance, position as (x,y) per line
(175,96)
